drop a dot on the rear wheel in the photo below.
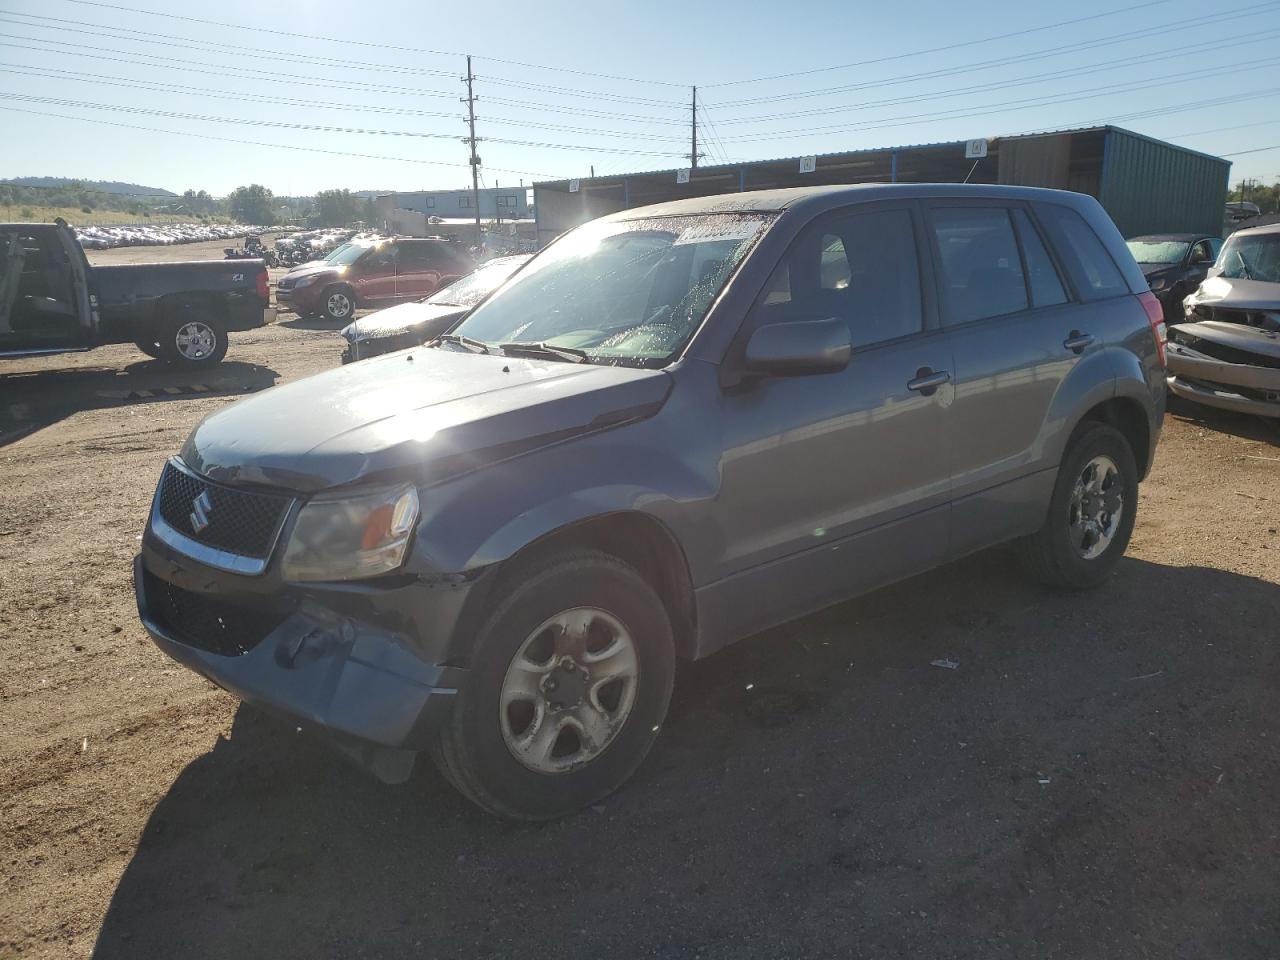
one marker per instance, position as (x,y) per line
(194,338)
(1091,515)
(571,676)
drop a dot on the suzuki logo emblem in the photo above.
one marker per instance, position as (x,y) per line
(201,507)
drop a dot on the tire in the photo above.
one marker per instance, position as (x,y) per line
(150,347)
(476,748)
(1053,554)
(339,303)
(193,338)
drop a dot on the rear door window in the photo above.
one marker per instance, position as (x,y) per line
(1046,285)
(1095,274)
(860,267)
(981,271)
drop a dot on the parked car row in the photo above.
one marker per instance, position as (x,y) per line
(160,235)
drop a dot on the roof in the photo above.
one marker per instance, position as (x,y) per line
(563,183)
(773,201)
(1259,230)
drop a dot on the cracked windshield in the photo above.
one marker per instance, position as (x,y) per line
(618,292)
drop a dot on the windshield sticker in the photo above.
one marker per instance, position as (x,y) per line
(715,232)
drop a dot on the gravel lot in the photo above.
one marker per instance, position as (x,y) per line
(1097,778)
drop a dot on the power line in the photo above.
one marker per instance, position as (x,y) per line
(259,143)
(574,91)
(347,41)
(1232,42)
(1073,47)
(923,52)
(999,107)
(54,73)
(320,128)
(1241,153)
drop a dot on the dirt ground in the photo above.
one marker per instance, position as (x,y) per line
(1097,778)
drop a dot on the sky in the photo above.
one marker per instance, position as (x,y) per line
(305,96)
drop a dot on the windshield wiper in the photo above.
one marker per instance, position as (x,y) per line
(1244,267)
(472,344)
(570,354)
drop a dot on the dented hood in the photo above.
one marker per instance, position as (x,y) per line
(1237,294)
(423,414)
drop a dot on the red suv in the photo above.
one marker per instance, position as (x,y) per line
(372,273)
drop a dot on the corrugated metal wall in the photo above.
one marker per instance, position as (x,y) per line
(1152,187)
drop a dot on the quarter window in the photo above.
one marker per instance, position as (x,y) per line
(1046,285)
(981,270)
(861,268)
(1095,273)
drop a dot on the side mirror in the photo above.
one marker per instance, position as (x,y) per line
(799,349)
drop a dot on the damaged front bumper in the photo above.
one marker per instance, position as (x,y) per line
(346,660)
(1239,387)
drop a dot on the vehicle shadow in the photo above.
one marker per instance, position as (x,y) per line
(964,765)
(1261,429)
(35,399)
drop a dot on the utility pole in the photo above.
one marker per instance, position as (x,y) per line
(693,152)
(470,101)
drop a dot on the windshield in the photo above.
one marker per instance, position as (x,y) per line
(347,254)
(631,291)
(471,289)
(1251,257)
(1158,251)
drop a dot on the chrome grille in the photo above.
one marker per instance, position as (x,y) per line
(238,521)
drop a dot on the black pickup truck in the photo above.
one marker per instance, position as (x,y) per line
(52,300)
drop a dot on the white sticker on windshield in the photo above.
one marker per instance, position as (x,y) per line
(714,232)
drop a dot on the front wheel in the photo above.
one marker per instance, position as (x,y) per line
(570,680)
(194,339)
(339,303)
(1091,515)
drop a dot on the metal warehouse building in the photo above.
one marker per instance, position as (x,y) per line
(1146,185)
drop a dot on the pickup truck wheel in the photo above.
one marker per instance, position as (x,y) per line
(1091,515)
(194,338)
(148,346)
(339,303)
(571,676)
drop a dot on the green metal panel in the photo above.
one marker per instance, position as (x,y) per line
(1149,186)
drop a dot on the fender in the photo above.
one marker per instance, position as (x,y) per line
(1091,381)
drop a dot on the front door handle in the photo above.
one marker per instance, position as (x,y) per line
(1077,341)
(928,380)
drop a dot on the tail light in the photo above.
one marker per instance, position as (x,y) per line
(263,291)
(1155,317)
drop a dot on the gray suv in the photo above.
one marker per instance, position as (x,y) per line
(676,426)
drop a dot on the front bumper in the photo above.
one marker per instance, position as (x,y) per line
(300,300)
(1240,387)
(348,660)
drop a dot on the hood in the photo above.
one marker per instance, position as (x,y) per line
(424,414)
(311,269)
(1237,294)
(1238,336)
(430,318)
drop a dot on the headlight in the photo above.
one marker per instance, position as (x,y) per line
(304,282)
(349,333)
(352,537)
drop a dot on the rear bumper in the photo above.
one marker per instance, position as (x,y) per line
(335,659)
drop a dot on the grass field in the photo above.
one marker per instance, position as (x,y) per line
(28,213)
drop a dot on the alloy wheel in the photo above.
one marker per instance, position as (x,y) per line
(1096,507)
(195,340)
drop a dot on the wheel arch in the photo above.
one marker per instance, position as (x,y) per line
(1127,415)
(636,538)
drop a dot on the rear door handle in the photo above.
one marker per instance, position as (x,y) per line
(927,380)
(1077,341)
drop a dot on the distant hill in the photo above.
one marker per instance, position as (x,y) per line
(105,186)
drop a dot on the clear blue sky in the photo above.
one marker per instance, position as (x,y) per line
(1150,61)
